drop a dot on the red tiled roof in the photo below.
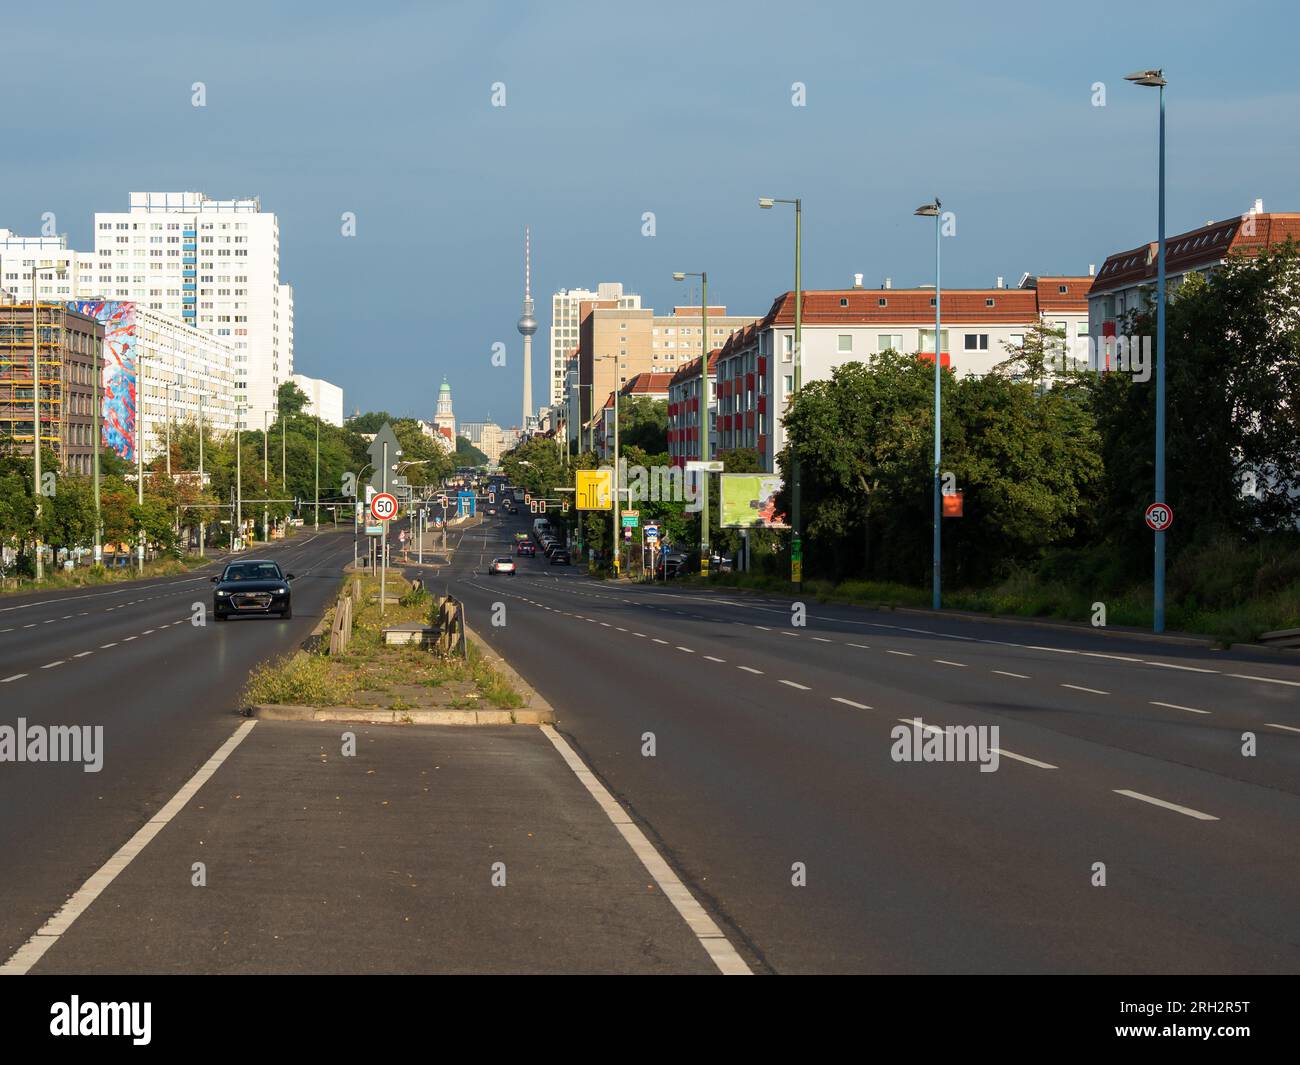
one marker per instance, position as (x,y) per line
(905,306)
(1074,300)
(648,384)
(1198,248)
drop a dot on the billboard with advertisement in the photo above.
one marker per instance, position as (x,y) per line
(118,371)
(749,501)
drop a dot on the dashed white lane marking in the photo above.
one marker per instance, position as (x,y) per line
(850,702)
(822,639)
(712,659)
(82,654)
(863,646)
(751,669)
(127,639)
(686,649)
(620,628)
(1004,753)
(789,634)
(146,632)
(16,676)
(792,684)
(1270,724)
(1185,669)
(641,634)
(1080,688)
(31,625)
(902,654)
(51,665)
(1266,680)
(1175,706)
(1187,810)
(48,934)
(657,640)
(606,625)
(711,938)
(1018,676)
(106,646)
(945,662)
(763,628)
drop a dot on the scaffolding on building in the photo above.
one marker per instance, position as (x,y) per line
(17,417)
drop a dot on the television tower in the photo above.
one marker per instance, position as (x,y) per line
(527,326)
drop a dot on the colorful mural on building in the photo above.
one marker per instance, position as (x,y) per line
(118,370)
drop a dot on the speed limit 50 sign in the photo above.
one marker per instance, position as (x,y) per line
(383,507)
(1160,516)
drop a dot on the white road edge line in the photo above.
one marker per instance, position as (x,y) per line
(711,937)
(1266,680)
(48,934)
(1166,805)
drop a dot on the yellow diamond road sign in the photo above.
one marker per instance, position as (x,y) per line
(594,490)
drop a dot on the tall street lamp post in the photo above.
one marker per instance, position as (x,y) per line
(796,541)
(933,210)
(1155,79)
(703,275)
(36,407)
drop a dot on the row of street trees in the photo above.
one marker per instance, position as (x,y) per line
(280,464)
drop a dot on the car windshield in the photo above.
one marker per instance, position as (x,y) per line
(252,571)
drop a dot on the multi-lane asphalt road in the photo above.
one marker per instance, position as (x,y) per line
(126,657)
(1142,818)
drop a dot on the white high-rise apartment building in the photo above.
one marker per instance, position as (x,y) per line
(564,328)
(212,263)
(324,400)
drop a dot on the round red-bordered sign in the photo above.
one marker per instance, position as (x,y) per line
(383,507)
(1159,516)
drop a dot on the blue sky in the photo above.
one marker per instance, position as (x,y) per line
(384,109)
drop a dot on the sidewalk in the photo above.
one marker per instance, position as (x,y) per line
(384,863)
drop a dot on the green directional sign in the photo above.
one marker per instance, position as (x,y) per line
(631,521)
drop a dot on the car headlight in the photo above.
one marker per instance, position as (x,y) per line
(221,594)
(280,591)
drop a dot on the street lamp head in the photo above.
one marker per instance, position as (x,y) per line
(1147,77)
(766,203)
(678,276)
(928,210)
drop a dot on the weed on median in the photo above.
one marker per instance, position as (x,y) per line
(371,673)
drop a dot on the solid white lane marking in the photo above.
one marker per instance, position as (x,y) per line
(1004,753)
(1175,706)
(712,659)
(711,937)
(945,662)
(1080,688)
(51,665)
(792,684)
(1266,680)
(48,934)
(1270,724)
(904,654)
(750,669)
(850,702)
(16,676)
(1187,810)
(1018,676)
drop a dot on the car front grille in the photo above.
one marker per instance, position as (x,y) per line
(251,600)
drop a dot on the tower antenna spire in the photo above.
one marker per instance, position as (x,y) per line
(527,326)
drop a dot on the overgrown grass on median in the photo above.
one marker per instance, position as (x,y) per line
(411,675)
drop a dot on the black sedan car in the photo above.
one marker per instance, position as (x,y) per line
(252,586)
